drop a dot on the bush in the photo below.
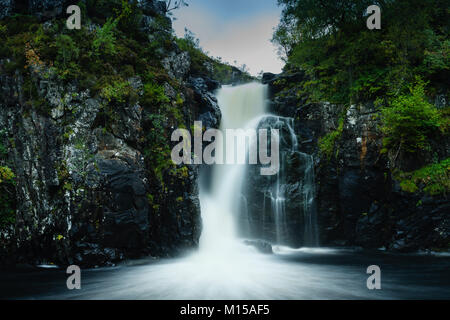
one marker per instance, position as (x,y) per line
(410,120)
(327,142)
(105,40)
(118,91)
(154,94)
(434,179)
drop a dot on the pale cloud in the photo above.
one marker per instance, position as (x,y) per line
(245,40)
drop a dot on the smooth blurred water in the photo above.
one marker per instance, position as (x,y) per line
(306,273)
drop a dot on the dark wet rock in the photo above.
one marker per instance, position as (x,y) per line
(359,202)
(268,77)
(6,8)
(84,193)
(47,8)
(286,190)
(209,111)
(177,65)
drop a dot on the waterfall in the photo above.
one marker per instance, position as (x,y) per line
(245,107)
(241,107)
(276,192)
(309,204)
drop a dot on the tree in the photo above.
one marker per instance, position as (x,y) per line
(176,4)
(346,62)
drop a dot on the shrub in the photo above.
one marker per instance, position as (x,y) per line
(433,179)
(118,91)
(105,40)
(327,142)
(410,120)
(154,94)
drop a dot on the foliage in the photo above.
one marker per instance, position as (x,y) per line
(154,94)
(345,62)
(118,91)
(176,4)
(105,40)
(7,199)
(327,143)
(410,120)
(7,188)
(157,153)
(433,179)
(67,50)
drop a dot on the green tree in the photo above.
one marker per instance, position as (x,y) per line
(410,120)
(346,62)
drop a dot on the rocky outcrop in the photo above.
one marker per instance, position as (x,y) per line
(358,200)
(274,207)
(86,193)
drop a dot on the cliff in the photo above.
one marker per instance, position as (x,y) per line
(86,118)
(362,200)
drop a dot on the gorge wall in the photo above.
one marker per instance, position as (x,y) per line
(359,202)
(85,126)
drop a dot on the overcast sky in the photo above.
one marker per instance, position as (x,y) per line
(234,30)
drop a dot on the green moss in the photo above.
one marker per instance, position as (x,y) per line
(7,197)
(117,91)
(433,179)
(181,173)
(179,100)
(327,143)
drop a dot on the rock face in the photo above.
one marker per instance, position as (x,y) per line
(275,206)
(82,196)
(6,7)
(85,194)
(358,201)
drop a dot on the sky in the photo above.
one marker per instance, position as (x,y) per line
(236,30)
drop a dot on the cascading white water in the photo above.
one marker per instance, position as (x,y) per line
(242,108)
(245,107)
